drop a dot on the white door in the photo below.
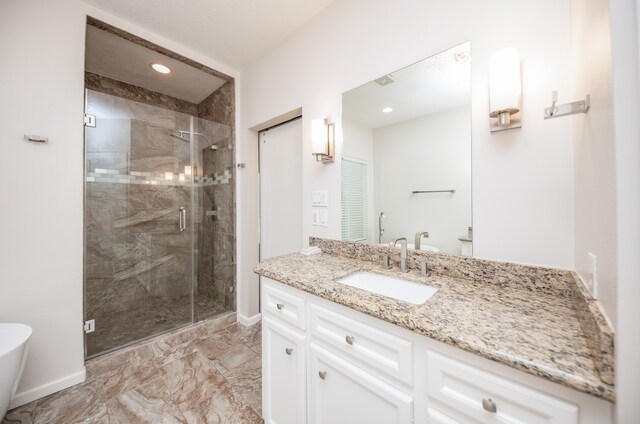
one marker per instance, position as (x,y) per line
(283,374)
(342,393)
(281,190)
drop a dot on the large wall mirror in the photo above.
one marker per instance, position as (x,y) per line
(406,156)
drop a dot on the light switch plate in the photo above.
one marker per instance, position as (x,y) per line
(320,198)
(323,217)
(315,217)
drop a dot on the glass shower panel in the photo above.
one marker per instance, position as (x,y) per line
(214,233)
(139,222)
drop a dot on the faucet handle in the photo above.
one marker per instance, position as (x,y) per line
(424,267)
(386,261)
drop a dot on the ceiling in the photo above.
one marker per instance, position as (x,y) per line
(122,60)
(438,83)
(233,32)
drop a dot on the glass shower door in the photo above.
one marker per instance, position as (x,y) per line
(139,230)
(214,235)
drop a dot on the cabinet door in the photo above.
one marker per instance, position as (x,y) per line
(283,374)
(342,393)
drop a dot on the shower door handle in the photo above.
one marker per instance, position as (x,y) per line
(182,218)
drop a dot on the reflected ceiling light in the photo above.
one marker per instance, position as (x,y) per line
(159,67)
(387,110)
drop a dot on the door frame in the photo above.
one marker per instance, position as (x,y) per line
(260,207)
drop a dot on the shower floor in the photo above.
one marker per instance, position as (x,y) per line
(155,316)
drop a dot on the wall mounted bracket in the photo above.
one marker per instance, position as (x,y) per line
(556,111)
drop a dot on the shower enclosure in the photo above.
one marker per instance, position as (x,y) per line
(159,221)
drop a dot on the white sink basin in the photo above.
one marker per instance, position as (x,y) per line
(395,288)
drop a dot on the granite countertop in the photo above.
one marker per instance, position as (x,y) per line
(533,331)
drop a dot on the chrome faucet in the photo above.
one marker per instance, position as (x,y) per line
(419,236)
(403,252)
(380,229)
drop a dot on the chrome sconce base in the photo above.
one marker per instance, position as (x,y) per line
(323,140)
(321,157)
(505,120)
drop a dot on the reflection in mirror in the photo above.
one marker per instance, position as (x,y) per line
(406,156)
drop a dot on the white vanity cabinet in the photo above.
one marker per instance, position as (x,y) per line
(476,394)
(349,368)
(342,393)
(284,356)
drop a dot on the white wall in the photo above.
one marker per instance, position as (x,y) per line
(41,82)
(360,146)
(432,152)
(594,149)
(625,39)
(522,179)
(42,86)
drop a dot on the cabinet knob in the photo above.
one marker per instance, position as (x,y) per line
(349,339)
(322,374)
(288,350)
(280,305)
(489,405)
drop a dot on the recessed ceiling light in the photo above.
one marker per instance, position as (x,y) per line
(387,109)
(158,67)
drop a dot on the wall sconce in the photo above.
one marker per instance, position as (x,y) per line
(323,140)
(505,90)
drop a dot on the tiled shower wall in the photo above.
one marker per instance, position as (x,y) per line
(138,268)
(219,232)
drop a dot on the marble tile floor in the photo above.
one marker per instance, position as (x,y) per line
(156,315)
(209,372)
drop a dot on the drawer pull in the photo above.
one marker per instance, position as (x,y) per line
(489,405)
(279,305)
(322,374)
(288,350)
(349,339)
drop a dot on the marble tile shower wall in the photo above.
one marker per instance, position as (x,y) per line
(219,230)
(137,262)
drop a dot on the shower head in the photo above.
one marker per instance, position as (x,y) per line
(180,136)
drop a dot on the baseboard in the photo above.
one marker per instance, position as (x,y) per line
(250,320)
(47,389)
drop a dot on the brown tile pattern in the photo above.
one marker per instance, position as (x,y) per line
(141,158)
(217,278)
(137,263)
(156,48)
(519,325)
(218,106)
(170,379)
(137,94)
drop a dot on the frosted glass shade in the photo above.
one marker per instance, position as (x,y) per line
(319,143)
(504,81)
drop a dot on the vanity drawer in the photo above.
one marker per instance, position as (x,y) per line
(363,343)
(465,388)
(284,305)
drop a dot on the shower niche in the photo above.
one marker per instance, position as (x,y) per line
(159,213)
